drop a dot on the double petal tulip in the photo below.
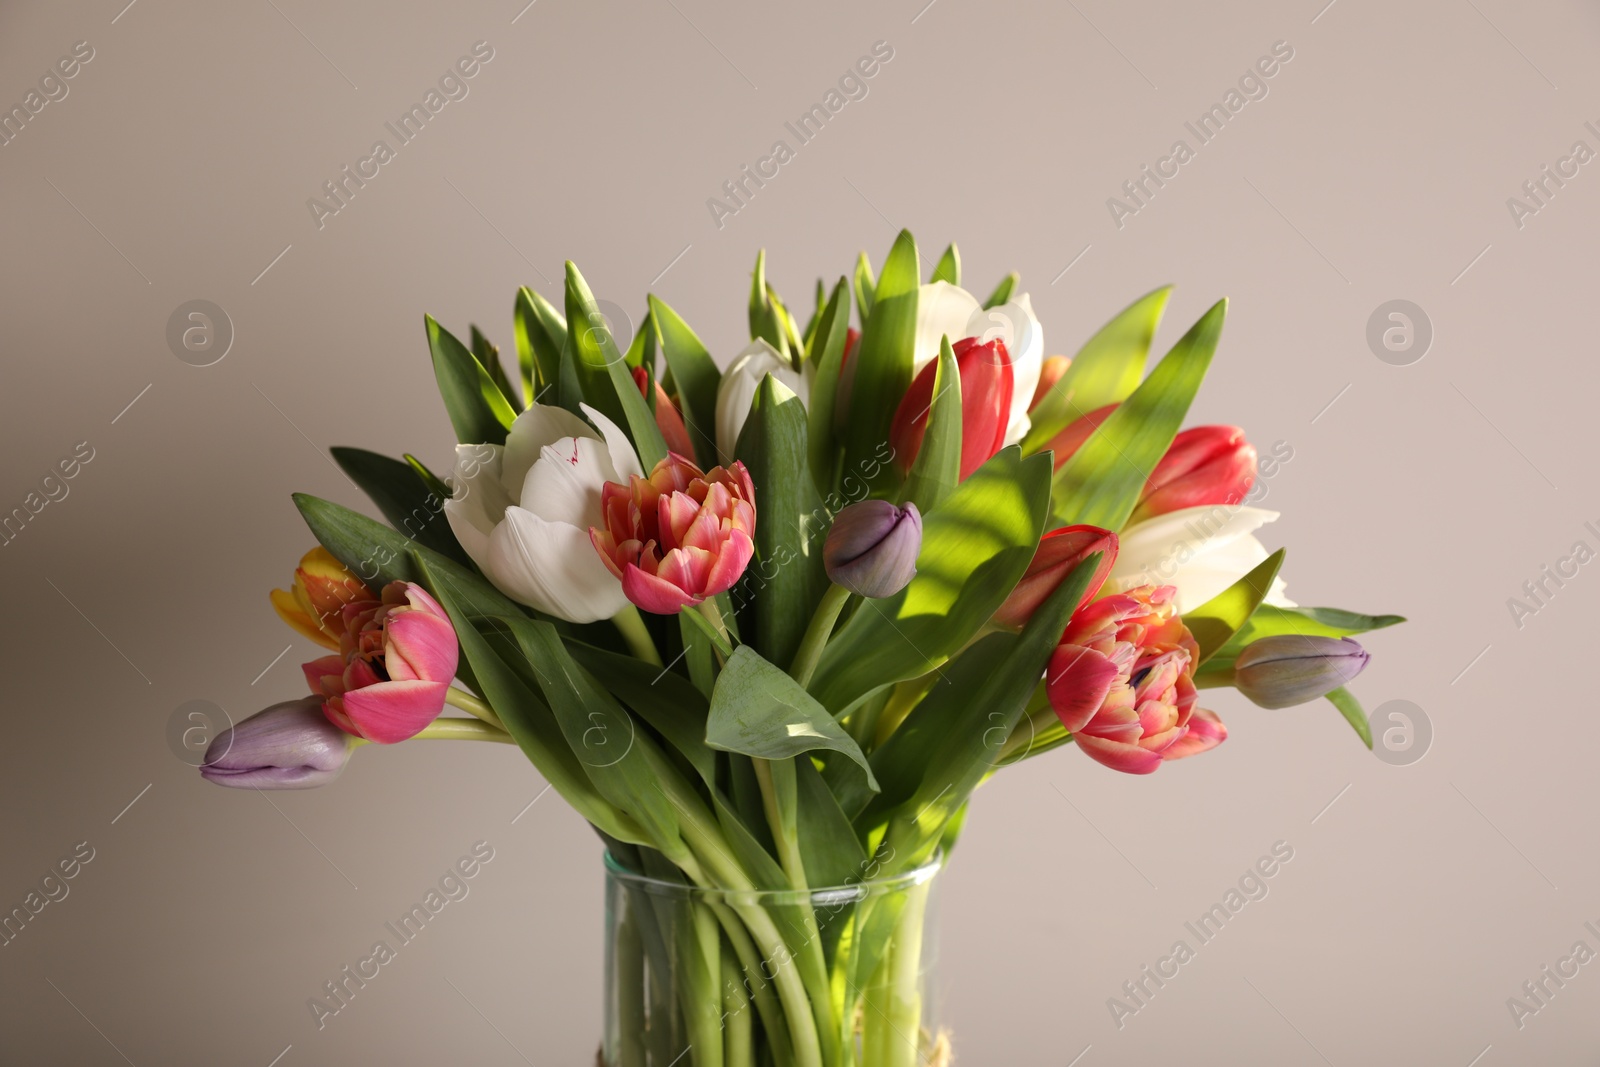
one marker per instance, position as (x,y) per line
(945,310)
(1122,681)
(1058,553)
(322,587)
(872,547)
(1203,465)
(986,391)
(668,419)
(1200,551)
(737,390)
(287,746)
(678,536)
(396,660)
(1288,669)
(523,510)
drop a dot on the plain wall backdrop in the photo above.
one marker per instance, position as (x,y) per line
(1376,167)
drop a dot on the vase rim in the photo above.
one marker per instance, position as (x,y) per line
(837,894)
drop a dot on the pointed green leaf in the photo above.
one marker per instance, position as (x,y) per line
(937,469)
(1219,618)
(865,286)
(1353,713)
(949,267)
(764,322)
(882,371)
(1106,369)
(827,355)
(1003,291)
(603,373)
(477,409)
(695,377)
(1103,480)
(541,334)
(488,355)
(642,349)
(758,710)
(411,505)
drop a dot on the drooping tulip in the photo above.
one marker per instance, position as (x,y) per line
(1050,372)
(1283,670)
(945,310)
(1058,553)
(678,536)
(1122,681)
(1203,465)
(737,390)
(322,587)
(668,420)
(523,510)
(396,660)
(291,745)
(986,385)
(1200,551)
(872,547)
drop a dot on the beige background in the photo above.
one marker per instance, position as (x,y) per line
(1377,168)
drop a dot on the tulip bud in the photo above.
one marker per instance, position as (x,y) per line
(986,381)
(1050,373)
(1058,553)
(872,547)
(1288,669)
(1204,465)
(288,746)
(668,420)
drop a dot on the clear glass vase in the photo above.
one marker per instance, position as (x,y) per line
(835,977)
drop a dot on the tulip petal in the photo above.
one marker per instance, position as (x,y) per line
(421,646)
(1206,731)
(1077,682)
(394,711)
(624,460)
(737,390)
(943,310)
(1130,759)
(654,594)
(565,484)
(479,500)
(1016,324)
(731,560)
(552,567)
(320,668)
(1201,551)
(541,425)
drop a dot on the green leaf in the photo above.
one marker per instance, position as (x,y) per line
(488,355)
(785,580)
(1350,708)
(1270,619)
(937,469)
(699,655)
(525,715)
(411,505)
(672,706)
(541,334)
(603,372)
(808,338)
(949,267)
(766,317)
(975,547)
(1003,291)
(1102,482)
(828,846)
(477,409)
(758,710)
(951,740)
(883,365)
(865,286)
(434,483)
(1106,369)
(642,350)
(695,377)
(827,356)
(1219,618)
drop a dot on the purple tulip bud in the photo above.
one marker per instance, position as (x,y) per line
(1288,669)
(287,746)
(872,547)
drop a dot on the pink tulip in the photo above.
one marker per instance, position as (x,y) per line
(678,536)
(1059,551)
(1122,682)
(1203,465)
(396,659)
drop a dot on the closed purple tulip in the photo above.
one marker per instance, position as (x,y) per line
(1288,669)
(872,547)
(288,746)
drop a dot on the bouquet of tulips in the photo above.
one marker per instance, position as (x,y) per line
(769,628)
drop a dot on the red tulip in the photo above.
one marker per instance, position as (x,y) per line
(668,420)
(985,371)
(1204,465)
(1050,373)
(1075,433)
(1122,681)
(678,536)
(1059,551)
(396,659)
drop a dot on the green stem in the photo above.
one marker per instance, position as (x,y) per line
(737,1025)
(901,1040)
(630,624)
(817,633)
(708,620)
(462,730)
(460,698)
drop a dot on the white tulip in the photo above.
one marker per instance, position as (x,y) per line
(1200,550)
(738,390)
(523,510)
(945,310)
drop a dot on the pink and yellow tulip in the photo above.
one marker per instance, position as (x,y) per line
(322,587)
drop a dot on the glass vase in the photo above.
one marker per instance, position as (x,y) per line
(833,977)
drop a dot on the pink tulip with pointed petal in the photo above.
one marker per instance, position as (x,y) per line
(396,659)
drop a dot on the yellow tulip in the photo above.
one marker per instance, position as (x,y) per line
(322,587)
